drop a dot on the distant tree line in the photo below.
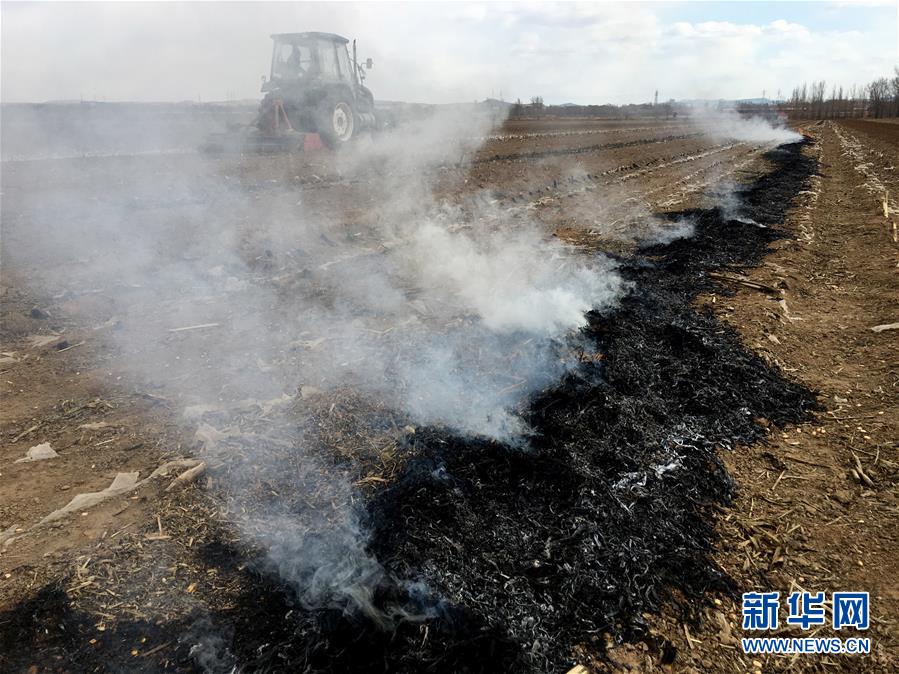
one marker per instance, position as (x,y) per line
(878,99)
(537,109)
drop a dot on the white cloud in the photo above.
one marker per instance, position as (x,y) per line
(590,52)
(788,29)
(528,41)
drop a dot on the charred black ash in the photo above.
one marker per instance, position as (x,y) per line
(610,512)
(505,557)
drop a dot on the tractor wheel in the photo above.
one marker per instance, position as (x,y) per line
(337,123)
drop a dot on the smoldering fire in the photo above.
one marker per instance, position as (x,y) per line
(455,317)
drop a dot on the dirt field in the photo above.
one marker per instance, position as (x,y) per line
(158,579)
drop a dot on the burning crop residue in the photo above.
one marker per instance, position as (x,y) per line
(481,554)
(611,509)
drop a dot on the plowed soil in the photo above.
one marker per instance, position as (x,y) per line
(125,585)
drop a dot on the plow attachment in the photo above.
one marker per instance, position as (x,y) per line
(250,140)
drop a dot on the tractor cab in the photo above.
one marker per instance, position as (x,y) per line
(324,56)
(315,85)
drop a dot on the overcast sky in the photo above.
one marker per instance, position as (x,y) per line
(444,52)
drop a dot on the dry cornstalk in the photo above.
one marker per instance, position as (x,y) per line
(188,475)
(743,281)
(779,478)
(860,472)
(25,432)
(201,326)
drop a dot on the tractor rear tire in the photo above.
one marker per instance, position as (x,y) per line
(337,123)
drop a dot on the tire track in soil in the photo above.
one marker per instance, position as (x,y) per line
(685,186)
(510,136)
(559,152)
(863,165)
(575,184)
(320,183)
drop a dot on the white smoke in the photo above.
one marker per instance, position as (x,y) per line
(514,281)
(726,196)
(726,123)
(357,272)
(667,232)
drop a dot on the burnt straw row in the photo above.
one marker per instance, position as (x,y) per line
(526,557)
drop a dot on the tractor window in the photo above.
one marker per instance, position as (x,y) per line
(343,60)
(292,61)
(327,58)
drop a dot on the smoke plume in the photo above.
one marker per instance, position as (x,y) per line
(726,123)
(221,290)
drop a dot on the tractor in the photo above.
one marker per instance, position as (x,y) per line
(313,94)
(316,87)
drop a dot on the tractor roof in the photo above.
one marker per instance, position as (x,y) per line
(292,38)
